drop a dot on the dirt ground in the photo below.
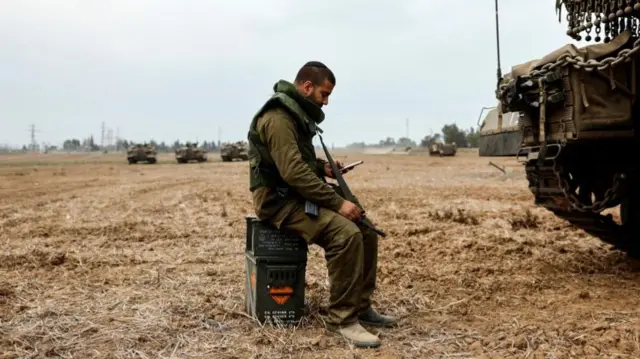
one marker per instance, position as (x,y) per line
(101,259)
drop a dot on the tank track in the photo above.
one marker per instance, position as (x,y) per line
(552,190)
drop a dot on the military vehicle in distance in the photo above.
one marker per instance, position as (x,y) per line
(234,150)
(190,152)
(142,153)
(500,133)
(580,120)
(443,149)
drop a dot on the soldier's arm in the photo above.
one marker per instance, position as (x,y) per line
(320,163)
(280,136)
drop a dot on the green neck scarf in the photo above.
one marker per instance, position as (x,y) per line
(313,111)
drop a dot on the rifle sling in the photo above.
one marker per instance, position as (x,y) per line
(343,186)
(336,172)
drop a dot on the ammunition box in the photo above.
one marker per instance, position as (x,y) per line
(275,265)
(264,240)
(274,289)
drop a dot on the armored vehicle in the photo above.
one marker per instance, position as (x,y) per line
(231,151)
(443,149)
(579,121)
(190,152)
(142,153)
(499,133)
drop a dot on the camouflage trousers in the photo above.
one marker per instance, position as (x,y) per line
(351,253)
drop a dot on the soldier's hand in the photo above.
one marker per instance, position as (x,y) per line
(328,172)
(350,211)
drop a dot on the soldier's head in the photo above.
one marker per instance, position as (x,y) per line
(315,81)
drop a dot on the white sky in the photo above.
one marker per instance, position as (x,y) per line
(181,69)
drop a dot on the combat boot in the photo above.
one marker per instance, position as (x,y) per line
(370,317)
(356,334)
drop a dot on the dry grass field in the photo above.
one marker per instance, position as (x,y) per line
(101,259)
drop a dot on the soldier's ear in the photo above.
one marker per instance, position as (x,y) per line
(307,88)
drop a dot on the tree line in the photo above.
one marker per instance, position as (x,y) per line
(449,134)
(88,144)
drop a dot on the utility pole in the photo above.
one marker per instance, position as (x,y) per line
(33,137)
(102,137)
(219,135)
(117,138)
(34,144)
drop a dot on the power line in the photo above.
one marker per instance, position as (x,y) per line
(33,143)
(33,137)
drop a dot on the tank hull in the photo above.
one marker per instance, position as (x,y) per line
(580,122)
(500,143)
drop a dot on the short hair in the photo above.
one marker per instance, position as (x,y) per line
(316,72)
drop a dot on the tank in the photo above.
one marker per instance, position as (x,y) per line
(234,150)
(579,120)
(499,133)
(443,149)
(142,153)
(190,152)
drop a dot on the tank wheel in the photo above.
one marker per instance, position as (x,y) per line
(226,158)
(131,161)
(244,157)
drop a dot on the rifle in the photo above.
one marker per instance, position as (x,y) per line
(312,208)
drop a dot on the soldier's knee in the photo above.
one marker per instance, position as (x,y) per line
(350,235)
(369,235)
(344,234)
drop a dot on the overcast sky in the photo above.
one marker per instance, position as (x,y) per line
(182,69)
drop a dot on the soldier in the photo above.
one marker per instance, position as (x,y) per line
(284,173)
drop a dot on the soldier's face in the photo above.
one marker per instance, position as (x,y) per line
(317,94)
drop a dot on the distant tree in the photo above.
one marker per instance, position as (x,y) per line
(72,144)
(428,140)
(357,145)
(91,145)
(473,137)
(389,141)
(452,133)
(406,142)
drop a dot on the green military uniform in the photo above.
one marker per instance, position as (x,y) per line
(284,172)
